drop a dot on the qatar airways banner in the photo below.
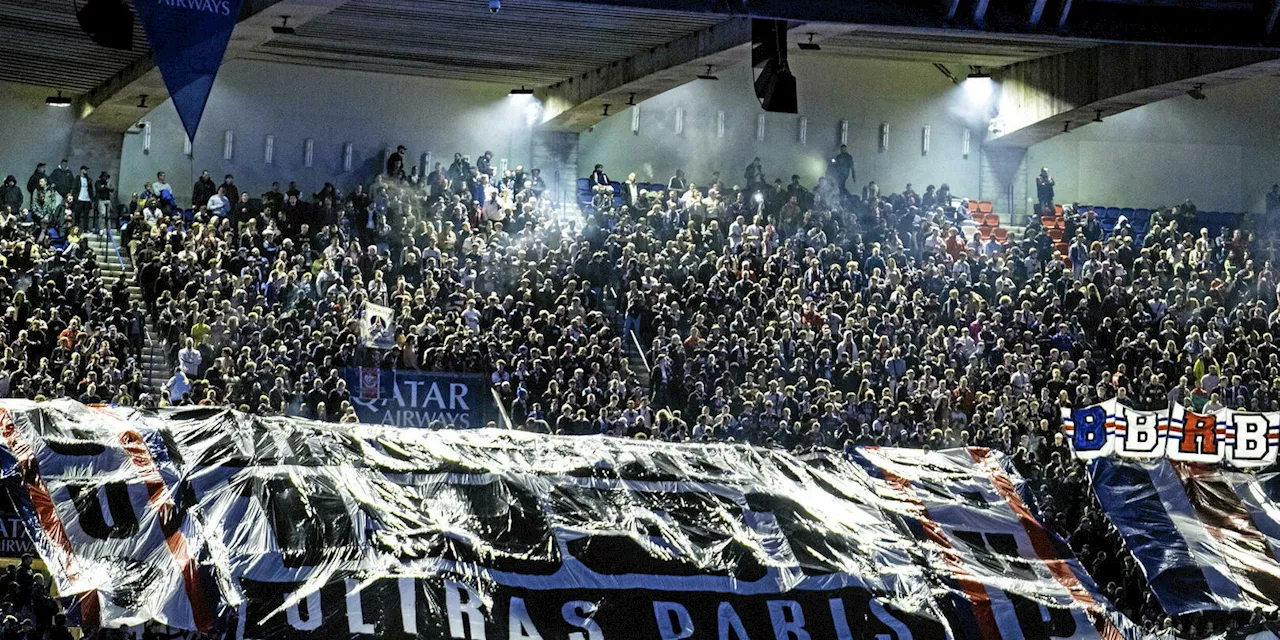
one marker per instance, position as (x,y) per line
(1240,439)
(271,528)
(188,39)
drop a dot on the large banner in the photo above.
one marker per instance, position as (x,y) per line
(1238,438)
(1005,573)
(1207,538)
(249,527)
(421,399)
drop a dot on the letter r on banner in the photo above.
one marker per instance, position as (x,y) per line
(1198,439)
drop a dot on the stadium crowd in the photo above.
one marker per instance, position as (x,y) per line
(764,312)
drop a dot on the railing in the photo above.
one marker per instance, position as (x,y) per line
(635,339)
(502,409)
(111,242)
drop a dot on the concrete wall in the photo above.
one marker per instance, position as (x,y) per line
(908,96)
(1223,152)
(331,107)
(32,132)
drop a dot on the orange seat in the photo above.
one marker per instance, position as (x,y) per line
(985,207)
(973,206)
(1001,234)
(1056,234)
(1048,222)
(991,219)
(1057,208)
(1061,247)
(985,232)
(1061,223)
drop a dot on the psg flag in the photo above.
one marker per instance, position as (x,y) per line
(188,39)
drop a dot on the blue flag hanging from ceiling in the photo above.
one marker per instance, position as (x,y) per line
(188,38)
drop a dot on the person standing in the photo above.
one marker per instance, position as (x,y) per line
(104,204)
(842,169)
(82,202)
(1044,191)
(1273,201)
(395,162)
(61,179)
(203,189)
(33,182)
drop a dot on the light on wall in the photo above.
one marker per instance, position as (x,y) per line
(924,141)
(804,130)
(635,120)
(884,136)
(146,137)
(503,164)
(719,124)
(964,147)
(346,156)
(760,128)
(679,120)
(186,145)
(844,132)
(228,144)
(269,150)
(309,152)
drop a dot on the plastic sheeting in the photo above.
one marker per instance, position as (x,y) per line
(251,527)
(1206,538)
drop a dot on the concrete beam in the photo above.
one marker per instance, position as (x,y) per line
(577,103)
(1038,97)
(113,105)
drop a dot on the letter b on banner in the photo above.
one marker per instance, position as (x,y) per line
(1089,435)
(1249,439)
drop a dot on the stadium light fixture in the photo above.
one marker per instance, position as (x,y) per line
(522,91)
(810,45)
(284,29)
(59,100)
(1098,117)
(142,101)
(979,87)
(708,75)
(1197,92)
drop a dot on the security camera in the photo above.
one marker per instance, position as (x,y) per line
(495,6)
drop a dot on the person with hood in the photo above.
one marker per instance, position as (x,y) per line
(204,189)
(61,179)
(34,180)
(11,195)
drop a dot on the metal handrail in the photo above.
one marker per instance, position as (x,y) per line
(502,409)
(639,347)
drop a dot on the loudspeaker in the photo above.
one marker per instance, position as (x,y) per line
(775,86)
(108,23)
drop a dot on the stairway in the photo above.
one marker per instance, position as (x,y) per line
(155,367)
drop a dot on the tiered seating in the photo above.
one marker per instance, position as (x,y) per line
(1055,225)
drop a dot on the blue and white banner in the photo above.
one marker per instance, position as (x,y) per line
(1238,438)
(1207,538)
(188,39)
(1007,575)
(250,527)
(422,399)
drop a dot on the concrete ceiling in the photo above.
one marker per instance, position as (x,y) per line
(961,48)
(41,44)
(530,42)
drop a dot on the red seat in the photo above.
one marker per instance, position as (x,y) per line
(1001,235)
(985,207)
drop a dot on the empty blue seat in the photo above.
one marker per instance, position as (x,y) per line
(1142,214)
(1113,213)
